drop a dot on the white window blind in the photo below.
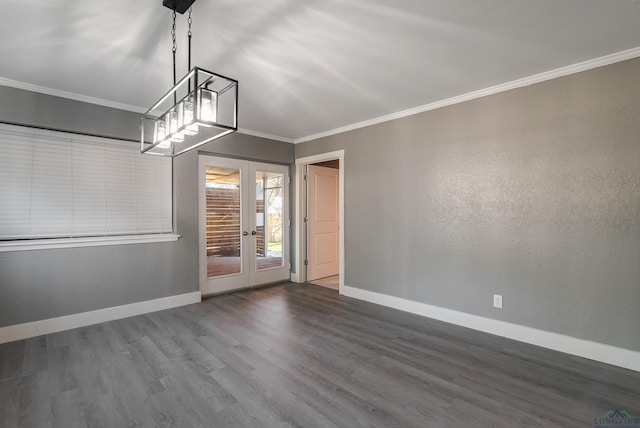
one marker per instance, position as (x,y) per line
(57,185)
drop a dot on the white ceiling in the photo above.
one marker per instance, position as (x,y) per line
(308,66)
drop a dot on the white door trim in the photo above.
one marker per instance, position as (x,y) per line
(250,276)
(266,276)
(300,275)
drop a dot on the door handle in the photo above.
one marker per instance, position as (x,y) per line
(245,233)
(253,232)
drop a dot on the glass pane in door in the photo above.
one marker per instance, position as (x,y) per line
(223,221)
(269,220)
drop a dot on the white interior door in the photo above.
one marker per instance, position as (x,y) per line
(244,224)
(322,222)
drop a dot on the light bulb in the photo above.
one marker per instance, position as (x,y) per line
(188,111)
(180,109)
(172,121)
(191,128)
(208,105)
(160,130)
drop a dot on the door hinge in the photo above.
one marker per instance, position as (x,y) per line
(306,262)
(306,220)
(289,223)
(288,179)
(305,177)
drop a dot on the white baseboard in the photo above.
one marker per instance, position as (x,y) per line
(295,277)
(67,322)
(559,342)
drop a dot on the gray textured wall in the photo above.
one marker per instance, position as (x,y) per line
(533,194)
(31,108)
(43,284)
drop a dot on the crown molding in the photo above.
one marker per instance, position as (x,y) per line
(106,103)
(265,135)
(526,81)
(536,78)
(69,95)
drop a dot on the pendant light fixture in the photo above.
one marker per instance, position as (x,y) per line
(200,108)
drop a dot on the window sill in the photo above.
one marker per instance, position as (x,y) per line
(98,241)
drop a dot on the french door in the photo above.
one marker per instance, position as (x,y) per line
(244,223)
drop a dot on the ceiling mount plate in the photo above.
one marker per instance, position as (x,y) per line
(180,6)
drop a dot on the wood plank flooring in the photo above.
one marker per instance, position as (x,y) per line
(298,356)
(332,282)
(219,266)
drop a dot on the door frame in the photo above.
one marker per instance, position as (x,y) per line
(300,236)
(271,275)
(250,276)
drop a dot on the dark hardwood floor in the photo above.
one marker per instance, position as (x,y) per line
(299,356)
(218,266)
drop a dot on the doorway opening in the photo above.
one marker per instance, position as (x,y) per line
(322,224)
(319,239)
(244,219)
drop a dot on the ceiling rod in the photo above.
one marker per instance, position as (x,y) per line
(180,6)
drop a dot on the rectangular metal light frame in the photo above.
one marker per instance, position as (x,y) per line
(192,85)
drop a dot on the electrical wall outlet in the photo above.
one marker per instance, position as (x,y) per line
(497,301)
